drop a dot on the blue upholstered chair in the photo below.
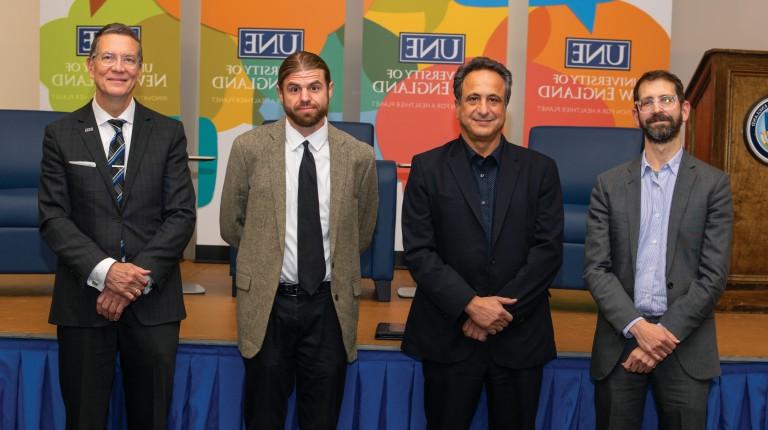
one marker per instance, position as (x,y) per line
(581,154)
(22,250)
(378,262)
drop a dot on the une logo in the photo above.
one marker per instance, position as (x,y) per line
(268,43)
(86,33)
(431,48)
(598,54)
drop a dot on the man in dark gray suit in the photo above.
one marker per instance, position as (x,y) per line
(657,255)
(117,207)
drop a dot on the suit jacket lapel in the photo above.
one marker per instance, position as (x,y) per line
(339,168)
(276,153)
(459,166)
(632,189)
(142,129)
(686,177)
(505,185)
(89,132)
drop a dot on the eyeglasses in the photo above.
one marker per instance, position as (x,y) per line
(108,59)
(665,102)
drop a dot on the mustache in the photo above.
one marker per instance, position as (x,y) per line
(658,117)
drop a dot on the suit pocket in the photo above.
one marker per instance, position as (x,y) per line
(84,178)
(242,282)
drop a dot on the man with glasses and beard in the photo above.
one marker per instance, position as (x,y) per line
(299,202)
(657,256)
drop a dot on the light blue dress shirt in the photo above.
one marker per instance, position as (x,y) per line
(656,189)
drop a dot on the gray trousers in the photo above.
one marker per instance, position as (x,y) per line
(681,401)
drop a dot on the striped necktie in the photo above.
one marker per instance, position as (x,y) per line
(116,158)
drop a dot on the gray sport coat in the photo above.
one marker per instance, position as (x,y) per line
(698,260)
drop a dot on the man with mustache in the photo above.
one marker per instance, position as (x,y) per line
(299,201)
(483,238)
(657,255)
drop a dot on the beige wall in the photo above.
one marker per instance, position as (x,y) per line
(700,25)
(20,44)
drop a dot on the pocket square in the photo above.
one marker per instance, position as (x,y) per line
(83,163)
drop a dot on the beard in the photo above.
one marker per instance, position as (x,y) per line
(306,119)
(662,133)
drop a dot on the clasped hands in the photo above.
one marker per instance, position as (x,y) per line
(655,343)
(124,284)
(487,316)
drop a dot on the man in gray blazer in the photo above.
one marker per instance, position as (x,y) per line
(657,256)
(117,206)
(299,202)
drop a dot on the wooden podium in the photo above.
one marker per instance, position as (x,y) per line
(723,90)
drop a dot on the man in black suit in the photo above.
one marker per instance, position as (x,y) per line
(117,207)
(482,231)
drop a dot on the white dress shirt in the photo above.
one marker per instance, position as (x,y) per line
(106,132)
(98,275)
(294,151)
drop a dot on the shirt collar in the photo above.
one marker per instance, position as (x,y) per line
(294,139)
(673,164)
(102,116)
(471,154)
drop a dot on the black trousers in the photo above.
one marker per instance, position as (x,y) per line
(452,391)
(87,367)
(302,347)
(681,401)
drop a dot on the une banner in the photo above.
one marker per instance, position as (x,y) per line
(585,56)
(411,51)
(243,43)
(67,28)
(410,54)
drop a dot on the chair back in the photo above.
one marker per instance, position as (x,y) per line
(581,154)
(21,141)
(22,249)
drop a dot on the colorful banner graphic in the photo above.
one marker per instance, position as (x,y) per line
(243,43)
(410,53)
(66,31)
(584,57)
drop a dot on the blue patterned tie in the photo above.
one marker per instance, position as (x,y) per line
(116,159)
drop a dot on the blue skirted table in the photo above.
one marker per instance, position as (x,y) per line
(384,390)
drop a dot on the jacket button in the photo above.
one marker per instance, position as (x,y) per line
(670,285)
(336,297)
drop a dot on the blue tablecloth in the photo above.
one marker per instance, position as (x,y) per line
(383,391)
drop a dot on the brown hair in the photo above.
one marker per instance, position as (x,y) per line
(482,63)
(659,74)
(302,60)
(115,28)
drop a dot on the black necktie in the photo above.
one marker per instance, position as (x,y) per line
(116,158)
(310,234)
